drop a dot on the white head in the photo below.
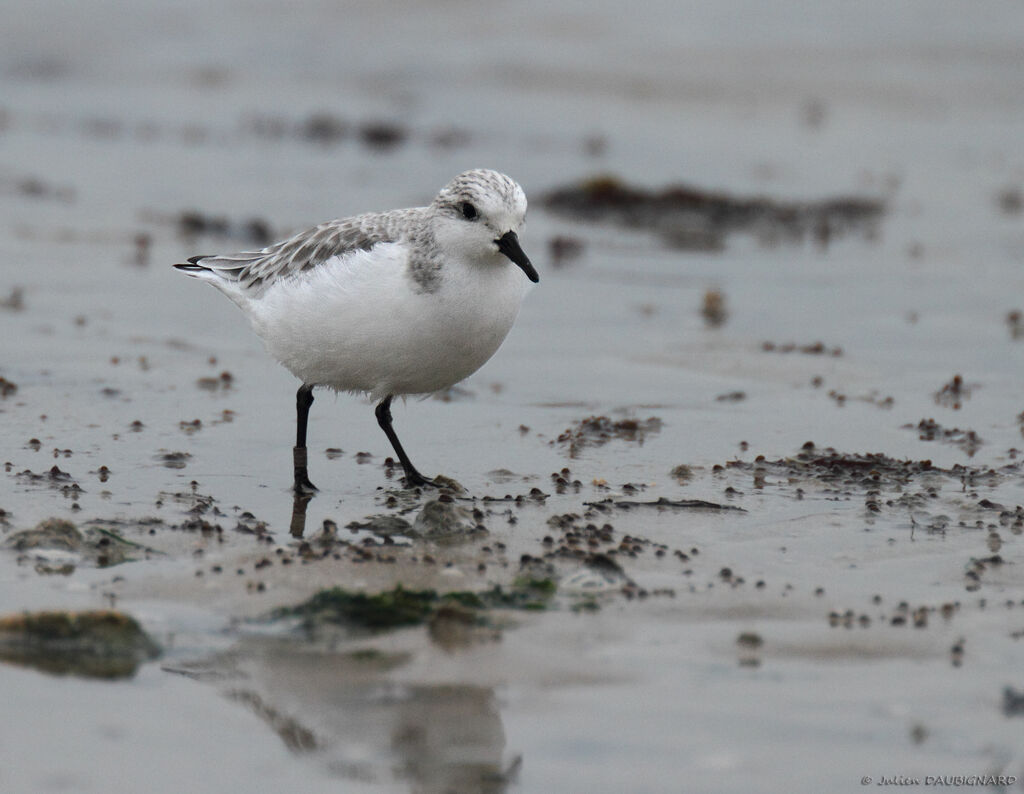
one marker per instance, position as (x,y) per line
(478,214)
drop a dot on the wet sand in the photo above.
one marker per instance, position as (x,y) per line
(761,469)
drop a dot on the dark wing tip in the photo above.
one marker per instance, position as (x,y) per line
(193,265)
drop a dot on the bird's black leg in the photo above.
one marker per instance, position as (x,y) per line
(412,477)
(303,399)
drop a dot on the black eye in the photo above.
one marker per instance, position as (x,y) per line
(468,210)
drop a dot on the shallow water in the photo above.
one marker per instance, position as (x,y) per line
(116,118)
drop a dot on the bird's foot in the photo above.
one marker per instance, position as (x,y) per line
(302,484)
(440,482)
(413,479)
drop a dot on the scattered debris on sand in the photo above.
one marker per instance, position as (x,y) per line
(953,394)
(195,223)
(1013,702)
(172,460)
(326,129)
(1010,200)
(37,188)
(1015,322)
(749,647)
(663,503)
(854,471)
(55,478)
(222,382)
(58,546)
(871,398)
(595,431)
(930,430)
(682,473)
(813,349)
(564,250)
(382,135)
(15,301)
(713,309)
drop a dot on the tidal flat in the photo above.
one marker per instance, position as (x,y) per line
(736,506)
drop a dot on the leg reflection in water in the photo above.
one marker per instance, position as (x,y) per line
(298,523)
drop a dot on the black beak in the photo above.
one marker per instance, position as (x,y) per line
(508,244)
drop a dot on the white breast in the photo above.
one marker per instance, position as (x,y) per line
(357,323)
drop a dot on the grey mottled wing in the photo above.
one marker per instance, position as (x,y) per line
(310,248)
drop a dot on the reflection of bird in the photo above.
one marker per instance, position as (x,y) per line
(388,303)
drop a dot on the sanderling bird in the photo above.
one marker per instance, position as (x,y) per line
(405,302)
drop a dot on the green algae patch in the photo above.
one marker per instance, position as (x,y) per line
(526,593)
(398,608)
(390,609)
(92,644)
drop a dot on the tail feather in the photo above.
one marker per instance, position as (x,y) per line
(225,280)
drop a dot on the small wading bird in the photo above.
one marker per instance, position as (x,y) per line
(408,301)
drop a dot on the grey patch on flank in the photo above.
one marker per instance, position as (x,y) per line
(425,265)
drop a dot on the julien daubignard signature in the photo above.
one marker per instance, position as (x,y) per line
(940,780)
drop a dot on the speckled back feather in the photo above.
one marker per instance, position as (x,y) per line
(253,269)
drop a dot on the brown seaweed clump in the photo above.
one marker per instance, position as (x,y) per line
(694,218)
(94,644)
